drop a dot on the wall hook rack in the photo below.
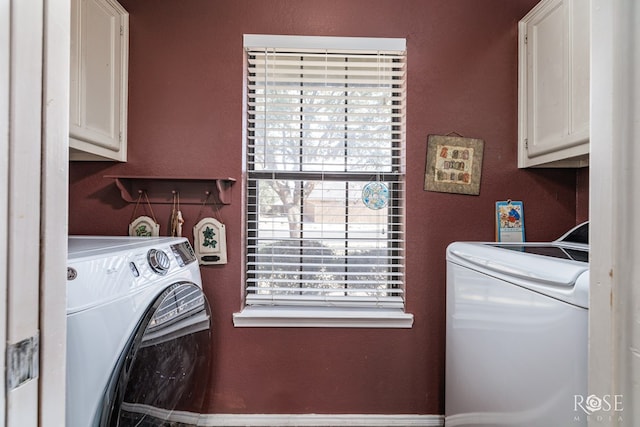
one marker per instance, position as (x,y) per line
(192,190)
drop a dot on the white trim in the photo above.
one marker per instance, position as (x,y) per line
(23,233)
(5,26)
(321,42)
(603,135)
(231,420)
(322,317)
(282,420)
(614,334)
(54,219)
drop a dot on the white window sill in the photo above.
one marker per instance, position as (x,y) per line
(321,317)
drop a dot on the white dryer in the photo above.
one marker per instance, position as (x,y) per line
(138,331)
(516,332)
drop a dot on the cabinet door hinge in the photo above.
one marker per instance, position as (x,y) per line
(120,136)
(23,361)
(121,30)
(526,143)
(526,38)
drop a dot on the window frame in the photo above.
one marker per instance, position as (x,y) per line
(310,315)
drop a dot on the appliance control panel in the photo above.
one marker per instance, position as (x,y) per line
(184,253)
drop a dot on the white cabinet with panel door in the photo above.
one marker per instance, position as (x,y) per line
(553,85)
(99,70)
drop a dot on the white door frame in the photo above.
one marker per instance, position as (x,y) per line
(23,228)
(4,184)
(34,76)
(54,217)
(614,331)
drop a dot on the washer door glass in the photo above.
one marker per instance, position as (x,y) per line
(166,367)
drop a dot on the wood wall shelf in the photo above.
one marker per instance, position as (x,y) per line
(192,190)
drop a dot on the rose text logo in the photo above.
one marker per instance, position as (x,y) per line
(599,407)
(593,403)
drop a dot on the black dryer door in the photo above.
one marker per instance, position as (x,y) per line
(165,370)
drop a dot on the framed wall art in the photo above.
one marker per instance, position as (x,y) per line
(454,164)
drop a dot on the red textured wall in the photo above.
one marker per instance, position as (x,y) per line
(582,195)
(185,118)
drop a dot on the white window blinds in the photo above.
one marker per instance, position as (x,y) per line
(325,171)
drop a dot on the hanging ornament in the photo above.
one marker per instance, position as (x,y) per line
(176,216)
(143,226)
(210,238)
(179,221)
(210,241)
(375,195)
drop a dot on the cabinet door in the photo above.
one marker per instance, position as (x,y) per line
(98,92)
(547,56)
(579,66)
(553,129)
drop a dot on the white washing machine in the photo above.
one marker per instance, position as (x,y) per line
(516,332)
(138,331)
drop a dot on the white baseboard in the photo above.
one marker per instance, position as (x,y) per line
(318,420)
(285,420)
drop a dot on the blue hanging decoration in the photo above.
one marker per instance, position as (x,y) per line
(375,195)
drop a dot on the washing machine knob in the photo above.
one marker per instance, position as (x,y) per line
(158,261)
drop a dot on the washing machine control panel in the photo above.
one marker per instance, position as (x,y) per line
(158,261)
(184,253)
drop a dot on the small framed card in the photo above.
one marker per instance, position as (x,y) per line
(454,164)
(509,221)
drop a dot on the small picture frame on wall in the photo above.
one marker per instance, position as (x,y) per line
(454,164)
(509,221)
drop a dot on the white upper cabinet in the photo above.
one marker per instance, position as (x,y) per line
(99,67)
(553,85)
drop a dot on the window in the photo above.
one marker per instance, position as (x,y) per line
(325,181)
